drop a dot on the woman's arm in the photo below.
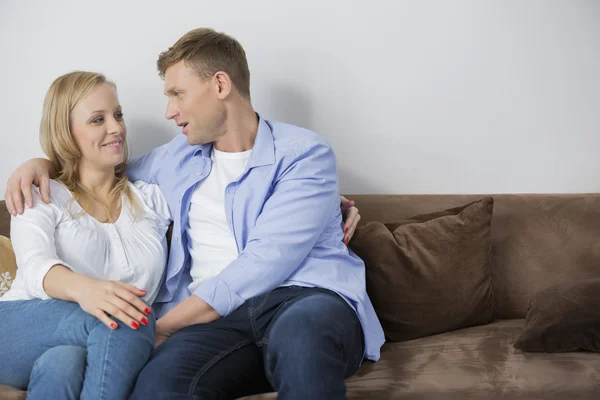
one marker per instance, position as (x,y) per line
(46,276)
(98,297)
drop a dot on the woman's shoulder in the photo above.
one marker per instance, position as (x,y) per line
(152,197)
(59,200)
(59,194)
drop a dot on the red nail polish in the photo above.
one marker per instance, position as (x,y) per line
(135,325)
(113,325)
(346,241)
(145,321)
(346,229)
(147,310)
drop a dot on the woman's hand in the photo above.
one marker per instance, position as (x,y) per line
(100,298)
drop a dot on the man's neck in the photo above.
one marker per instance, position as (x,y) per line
(241,128)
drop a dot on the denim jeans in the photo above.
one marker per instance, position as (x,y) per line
(38,330)
(300,342)
(59,371)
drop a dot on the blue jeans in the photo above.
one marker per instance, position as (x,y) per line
(300,342)
(59,371)
(48,340)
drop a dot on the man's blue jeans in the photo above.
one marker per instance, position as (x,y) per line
(71,350)
(300,342)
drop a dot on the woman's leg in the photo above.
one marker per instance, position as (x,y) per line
(58,374)
(114,357)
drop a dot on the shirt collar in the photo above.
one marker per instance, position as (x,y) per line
(263,151)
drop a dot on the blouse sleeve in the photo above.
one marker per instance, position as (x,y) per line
(32,237)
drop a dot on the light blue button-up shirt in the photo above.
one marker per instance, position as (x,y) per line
(284,212)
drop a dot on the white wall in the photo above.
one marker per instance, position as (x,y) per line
(415,96)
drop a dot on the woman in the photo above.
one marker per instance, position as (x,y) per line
(90,261)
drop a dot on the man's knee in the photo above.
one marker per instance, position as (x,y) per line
(316,329)
(318,319)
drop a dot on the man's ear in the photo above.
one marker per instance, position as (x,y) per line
(224,84)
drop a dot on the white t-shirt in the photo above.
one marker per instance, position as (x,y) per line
(210,241)
(129,250)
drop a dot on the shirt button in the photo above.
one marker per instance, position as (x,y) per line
(199,173)
(177,238)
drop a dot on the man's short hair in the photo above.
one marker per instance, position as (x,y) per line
(208,52)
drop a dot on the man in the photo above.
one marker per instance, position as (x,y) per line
(260,292)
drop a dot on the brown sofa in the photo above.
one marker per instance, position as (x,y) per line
(537,241)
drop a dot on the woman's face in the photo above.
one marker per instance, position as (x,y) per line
(99,129)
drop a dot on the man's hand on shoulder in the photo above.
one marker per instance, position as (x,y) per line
(351,218)
(36,172)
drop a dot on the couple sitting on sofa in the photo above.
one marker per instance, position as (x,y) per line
(259,292)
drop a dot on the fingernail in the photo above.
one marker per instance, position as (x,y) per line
(145,321)
(346,241)
(113,326)
(345,229)
(147,310)
(135,325)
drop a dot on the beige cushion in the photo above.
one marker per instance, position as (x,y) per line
(8,265)
(430,273)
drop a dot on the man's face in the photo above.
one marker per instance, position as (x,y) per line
(194,104)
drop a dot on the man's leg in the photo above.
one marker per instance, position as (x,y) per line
(313,343)
(58,374)
(206,361)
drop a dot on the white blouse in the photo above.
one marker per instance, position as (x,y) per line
(131,250)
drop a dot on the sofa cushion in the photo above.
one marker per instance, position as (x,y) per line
(430,273)
(8,265)
(474,363)
(563,318)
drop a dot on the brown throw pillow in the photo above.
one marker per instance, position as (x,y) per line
(431,273)
(563,318)
(8,265)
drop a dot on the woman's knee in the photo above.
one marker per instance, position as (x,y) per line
(149,328)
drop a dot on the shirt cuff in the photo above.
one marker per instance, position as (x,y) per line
(219,296)
(36,285)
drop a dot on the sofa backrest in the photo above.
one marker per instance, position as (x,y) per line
(4,220)
(537,240)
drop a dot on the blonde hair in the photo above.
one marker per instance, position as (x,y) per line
(209,52)
(59,145)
